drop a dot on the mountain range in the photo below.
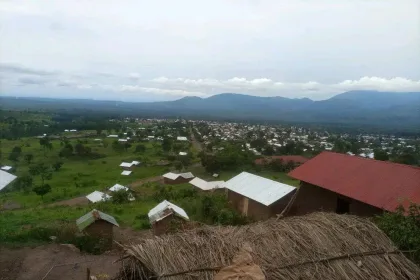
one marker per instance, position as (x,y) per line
(385,109)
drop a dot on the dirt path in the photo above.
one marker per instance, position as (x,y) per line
(145,180)
(197,145)
(82,200)
(29,264)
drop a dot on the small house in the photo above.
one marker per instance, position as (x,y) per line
(126,165)
(126,172)
(182,138)
(98,196)
(6,168)
(98,225)
(258,197)
(5,179)
(174,178)
(360,186)
(183,153)
(165,216)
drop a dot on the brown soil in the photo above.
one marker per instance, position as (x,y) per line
(82,200)
(146,180)
(29,264)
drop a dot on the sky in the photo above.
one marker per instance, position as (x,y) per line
(135,50)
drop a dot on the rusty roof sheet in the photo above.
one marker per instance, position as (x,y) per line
(378,183)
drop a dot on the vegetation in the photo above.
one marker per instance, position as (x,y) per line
(403,227)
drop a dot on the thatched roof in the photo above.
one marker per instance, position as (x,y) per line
(316,246)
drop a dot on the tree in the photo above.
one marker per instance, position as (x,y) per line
(98,131)
(66,151)
(45,144)
(140,148)
(126,146)
(23,182)
(380,154)
(117,147)
(268,150)
(178,165)
(15,154)
(166,145)
(403,228)
(41,170)
(120,196)
(130,134)
(29,158)
(42,190)
(57,165)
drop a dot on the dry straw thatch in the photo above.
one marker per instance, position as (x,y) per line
(316,246)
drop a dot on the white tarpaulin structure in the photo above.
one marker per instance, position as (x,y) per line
(97,196)
(126,172)
(182,138)
(118,187)
(206,186)
(173,176)
(260,189)
(5,179)
(164,209)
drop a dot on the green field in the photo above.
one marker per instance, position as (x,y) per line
(35,220)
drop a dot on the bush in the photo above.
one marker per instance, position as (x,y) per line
(403,229)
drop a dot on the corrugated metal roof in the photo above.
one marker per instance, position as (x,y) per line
(187,175)
(204,185)
(6,168)
(173,176)
(126,172)
(260,189)
(5,179)
(160,211)
(97,196)
(126,164)
(379,183)
(94,215)
(170,175)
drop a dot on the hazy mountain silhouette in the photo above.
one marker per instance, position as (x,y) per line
(354,107)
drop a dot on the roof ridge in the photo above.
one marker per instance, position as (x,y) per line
(371,159)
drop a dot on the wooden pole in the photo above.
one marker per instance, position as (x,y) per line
(88,273)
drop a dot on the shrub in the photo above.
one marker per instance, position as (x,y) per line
(403,229)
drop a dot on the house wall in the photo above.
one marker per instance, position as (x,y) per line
(179,180)
(256,210)
(103,231)
(312,198)
(166,224)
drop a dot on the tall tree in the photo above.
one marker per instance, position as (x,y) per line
(42,190)
(41,170)
(29,158)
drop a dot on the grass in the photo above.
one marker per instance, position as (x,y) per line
(35,221)
(89,174)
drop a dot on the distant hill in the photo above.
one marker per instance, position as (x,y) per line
(384,109)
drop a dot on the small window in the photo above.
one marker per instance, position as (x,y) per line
(343,206)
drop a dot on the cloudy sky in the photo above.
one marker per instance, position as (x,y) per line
(164,49)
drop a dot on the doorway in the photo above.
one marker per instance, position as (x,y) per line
(343,206)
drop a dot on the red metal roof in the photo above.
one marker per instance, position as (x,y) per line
(285,159)
(379,183)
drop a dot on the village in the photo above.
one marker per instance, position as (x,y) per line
(159,177)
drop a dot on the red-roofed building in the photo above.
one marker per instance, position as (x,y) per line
(295,159)
(355,185)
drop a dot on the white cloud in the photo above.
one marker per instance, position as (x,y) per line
(160,91)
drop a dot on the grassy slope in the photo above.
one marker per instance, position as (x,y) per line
(99,174)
